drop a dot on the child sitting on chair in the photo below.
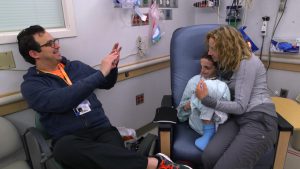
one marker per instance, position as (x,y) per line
(202,119)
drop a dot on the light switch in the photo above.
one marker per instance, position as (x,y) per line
(7,60)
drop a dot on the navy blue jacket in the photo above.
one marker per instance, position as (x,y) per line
(54,100)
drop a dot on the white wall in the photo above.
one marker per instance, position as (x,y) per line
(119,102)
(99,25)
(287,29)
(278,79)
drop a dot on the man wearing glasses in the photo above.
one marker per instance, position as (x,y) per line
(61,91)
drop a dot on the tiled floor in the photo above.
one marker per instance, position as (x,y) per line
(292,159)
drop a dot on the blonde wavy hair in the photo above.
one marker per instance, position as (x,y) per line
(230,46)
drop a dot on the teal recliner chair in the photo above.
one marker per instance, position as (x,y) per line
(177,140)
(38,147)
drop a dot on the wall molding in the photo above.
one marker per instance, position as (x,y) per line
(283,66)
(14,102)
(13,107)
(283,61)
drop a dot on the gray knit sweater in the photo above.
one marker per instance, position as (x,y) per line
(249,84)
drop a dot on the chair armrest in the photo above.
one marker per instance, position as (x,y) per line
(284,125)
(38,150)
(36,147)
(167,101)
(285,132)
(165,115)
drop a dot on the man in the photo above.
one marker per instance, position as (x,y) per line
(61,91)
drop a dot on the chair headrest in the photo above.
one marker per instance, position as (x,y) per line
(188,44)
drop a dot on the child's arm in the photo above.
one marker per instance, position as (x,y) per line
(183,109)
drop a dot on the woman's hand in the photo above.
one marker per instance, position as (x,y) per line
(201,90)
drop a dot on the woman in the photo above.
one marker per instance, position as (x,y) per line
(252,129)
(203,119)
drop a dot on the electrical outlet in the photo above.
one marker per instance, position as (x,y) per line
(284,93)
(265,19)
(142,45)
(139,99)
(139,46)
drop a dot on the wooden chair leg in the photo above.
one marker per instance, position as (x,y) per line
(165,142)
(281,149)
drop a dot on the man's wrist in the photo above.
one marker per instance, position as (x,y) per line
(104,73)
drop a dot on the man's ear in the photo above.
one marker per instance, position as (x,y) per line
(34,54)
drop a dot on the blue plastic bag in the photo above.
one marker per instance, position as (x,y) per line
(248,39)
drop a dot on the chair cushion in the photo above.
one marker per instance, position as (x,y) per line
(40,127)
(18,165)
(10,140)
(184,148)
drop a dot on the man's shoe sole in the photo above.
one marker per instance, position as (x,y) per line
(166,157)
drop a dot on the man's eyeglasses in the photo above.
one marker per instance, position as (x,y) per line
(51,43)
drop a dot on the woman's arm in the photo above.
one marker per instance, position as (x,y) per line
(244,80)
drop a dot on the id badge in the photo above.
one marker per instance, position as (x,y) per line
(82,108)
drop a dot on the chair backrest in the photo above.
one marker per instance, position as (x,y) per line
(188,44)
(37,141)
(40,127)
(10,140)
(10,143)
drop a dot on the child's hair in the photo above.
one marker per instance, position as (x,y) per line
(209,57)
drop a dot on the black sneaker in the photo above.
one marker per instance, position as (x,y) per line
(167,163)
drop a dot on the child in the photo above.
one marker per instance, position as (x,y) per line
(202,119)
